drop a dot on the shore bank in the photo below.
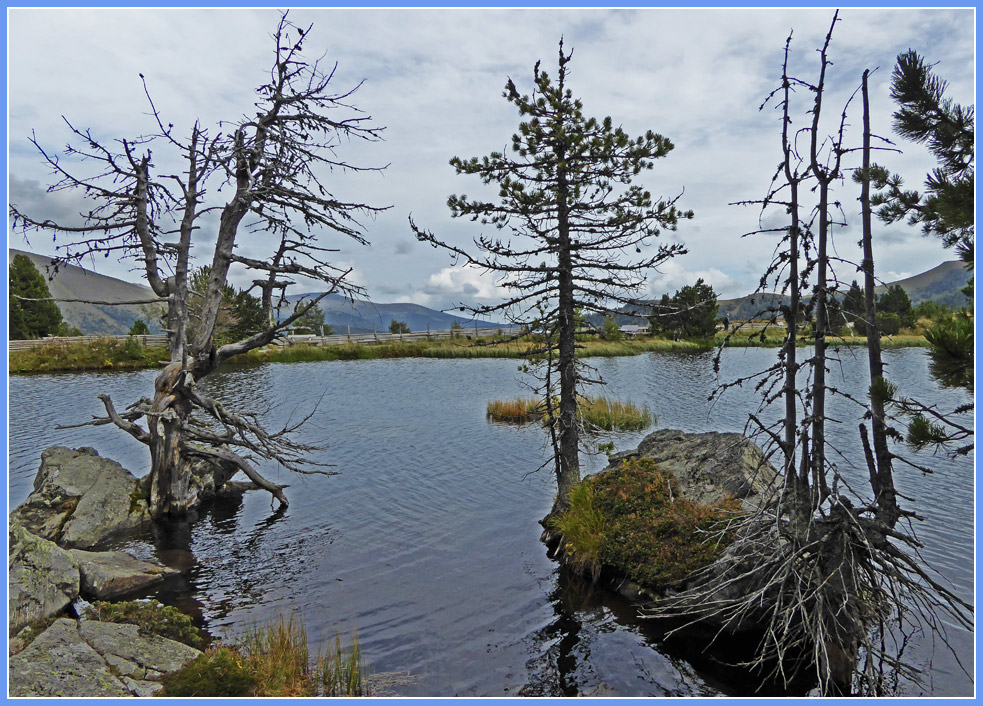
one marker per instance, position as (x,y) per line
(111,354)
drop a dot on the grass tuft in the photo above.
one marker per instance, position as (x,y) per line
(597,413)
(272,661)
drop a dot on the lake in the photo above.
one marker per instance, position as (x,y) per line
(427,542)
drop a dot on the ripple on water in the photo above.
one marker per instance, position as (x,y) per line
(427,542)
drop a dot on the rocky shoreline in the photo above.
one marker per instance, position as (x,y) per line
(59,561)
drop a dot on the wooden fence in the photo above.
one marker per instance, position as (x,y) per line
(158,340)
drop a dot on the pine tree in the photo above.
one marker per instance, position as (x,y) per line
(853,303)
(926,116)
(30,319)
(567,198)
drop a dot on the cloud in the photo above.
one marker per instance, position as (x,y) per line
(672,276)
(465,283)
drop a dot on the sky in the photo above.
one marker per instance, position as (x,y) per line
(434,79)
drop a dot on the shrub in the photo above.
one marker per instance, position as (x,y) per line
(888,323)
(151,616)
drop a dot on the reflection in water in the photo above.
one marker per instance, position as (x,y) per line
(427,542)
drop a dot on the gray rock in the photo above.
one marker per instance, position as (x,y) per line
(82,500)
(709,466)
(43,579)
(106,575)
(89,658)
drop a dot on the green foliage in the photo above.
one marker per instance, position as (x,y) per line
(922,433)
(934,311)
(952,343)
(610,330)
(151,616)
(398,327)
(691,312)
(240,313)
(66,331)
(895,301)
(853,306)
(925,115)
(313,321)
(634,520)
(888,323)
(139,328)
(217,672)
(29,319)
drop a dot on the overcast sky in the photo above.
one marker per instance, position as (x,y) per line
(434,79)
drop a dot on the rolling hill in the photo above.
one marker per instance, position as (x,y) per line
(71,282)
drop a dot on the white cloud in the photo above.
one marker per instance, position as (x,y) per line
(673,276)
(464,283)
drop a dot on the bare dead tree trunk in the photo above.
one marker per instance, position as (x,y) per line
(881,475)
(276,163)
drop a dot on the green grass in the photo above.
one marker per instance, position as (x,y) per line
(597,413)
(103,354)
(128,354)
(633,521)
(271,661)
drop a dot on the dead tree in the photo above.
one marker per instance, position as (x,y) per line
(829,577)
(272,166)
(574,215)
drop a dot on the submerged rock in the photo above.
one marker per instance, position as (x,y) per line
(94,659)
(81,500)
(106,575)
(710,466)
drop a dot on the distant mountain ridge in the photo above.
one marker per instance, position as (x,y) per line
(361,316)
(942,284)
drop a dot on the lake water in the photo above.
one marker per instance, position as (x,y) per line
(427,543)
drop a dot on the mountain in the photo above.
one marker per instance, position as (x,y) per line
(942,284)
(71,282)
(361,316)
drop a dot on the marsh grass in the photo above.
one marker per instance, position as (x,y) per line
(272,661)
(597,413)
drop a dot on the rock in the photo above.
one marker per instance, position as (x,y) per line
(106,575)
(90,658)
(709,466)
(43,579)
(82,500)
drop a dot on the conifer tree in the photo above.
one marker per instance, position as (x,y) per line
(567,199)
(29,318)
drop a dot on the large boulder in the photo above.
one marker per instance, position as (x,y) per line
(94,659)
(82,500)
(43,579)
(107,575)
(709,466)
